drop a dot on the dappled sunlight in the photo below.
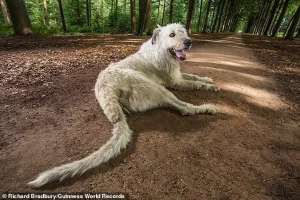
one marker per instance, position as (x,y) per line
(135,39)
(231,110)
(225,42)
(247,85)
(236,38)
(246,75)
(244,48)
(257,96)
(221,59)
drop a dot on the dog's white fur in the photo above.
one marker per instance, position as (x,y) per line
(136,84)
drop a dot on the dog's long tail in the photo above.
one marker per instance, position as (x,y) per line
(119,140)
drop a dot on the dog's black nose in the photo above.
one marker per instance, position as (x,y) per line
(188,42)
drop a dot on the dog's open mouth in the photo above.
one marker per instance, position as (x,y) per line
(178,54)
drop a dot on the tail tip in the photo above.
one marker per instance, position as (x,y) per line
(34,184)
(39,182)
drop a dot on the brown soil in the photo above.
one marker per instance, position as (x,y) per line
(250,150)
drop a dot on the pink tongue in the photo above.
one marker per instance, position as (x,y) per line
(180,55)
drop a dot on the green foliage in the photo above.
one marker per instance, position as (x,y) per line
(46,30)
(6,29)
(105,18)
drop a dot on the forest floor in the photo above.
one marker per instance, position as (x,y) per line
(250,150)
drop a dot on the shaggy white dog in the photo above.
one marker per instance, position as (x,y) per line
(136,84)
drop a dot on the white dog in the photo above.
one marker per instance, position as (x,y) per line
(137,84)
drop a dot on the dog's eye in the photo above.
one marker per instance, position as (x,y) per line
(172,35)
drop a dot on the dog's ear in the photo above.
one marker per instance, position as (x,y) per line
(155,35)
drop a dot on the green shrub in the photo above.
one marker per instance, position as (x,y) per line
(6,30)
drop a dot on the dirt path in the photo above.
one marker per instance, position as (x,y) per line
(250,150)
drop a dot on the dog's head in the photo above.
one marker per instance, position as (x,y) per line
(172,38)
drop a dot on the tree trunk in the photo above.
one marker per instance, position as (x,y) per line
(288,26)
(272,14)
(132,18)
(226,14)
(46,12)
(163,16)
(62,16)
(265,18)
(276,15)
(148,20)
(4,11)
(116,12)
(87,13)
(200,15)
(189,16)
(171,11)
(206,17)
(211,22)
(157,19)
(249,24)
(298,34)
(220,16)
(233,24)
(90,12)
(19,17)
(217,16)
(279,21)
(259,17)
(229,15)
(112,14)
(294,22)
(144,15)
(78,12)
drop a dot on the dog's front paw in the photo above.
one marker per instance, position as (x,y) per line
(210,109)
(205,109)
(207,80)
(213,88)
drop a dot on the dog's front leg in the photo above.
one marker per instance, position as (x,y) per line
(193,77)
(183,84)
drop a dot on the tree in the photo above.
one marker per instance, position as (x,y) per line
(163,16)
(298,34)
(220,16)
(46,12)
(206,17)
(88,13)
(281,2)
(249,23)
(19,17)
(226,15)
(157,20)
(4,11)
(272,14)
(171,11)
(78,13)
(259,17)
(200,15)
(279,21)
(264,18)
(144,16)
(116,12)
(189,16)
(132,18)
(148,29)
(293,25)
(216,20)
(62,16)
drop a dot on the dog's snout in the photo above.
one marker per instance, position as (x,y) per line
(188,42)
